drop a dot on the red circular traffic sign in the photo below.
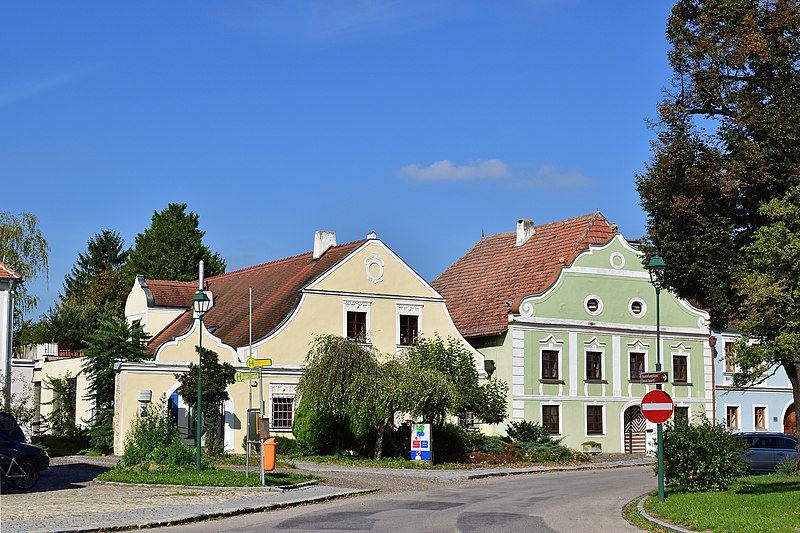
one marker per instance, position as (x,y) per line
(657,406)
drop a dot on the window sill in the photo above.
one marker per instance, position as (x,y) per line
(552,381)
(600,381)
(682,384)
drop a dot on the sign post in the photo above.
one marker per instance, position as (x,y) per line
(657,407)
(421,443)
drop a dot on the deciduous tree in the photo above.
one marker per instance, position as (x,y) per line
(721,191)
(25,250)
(487,401)
(216,378)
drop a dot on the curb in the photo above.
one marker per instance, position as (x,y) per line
(268,488)
(217,514)
(656,521)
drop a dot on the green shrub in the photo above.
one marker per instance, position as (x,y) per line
(320,433)
(101,431)
(527,431)
(788,467)
(287,446)
(155,439)
(701,457)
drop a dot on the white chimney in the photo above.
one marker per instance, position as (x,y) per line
(322,241)
(525,231)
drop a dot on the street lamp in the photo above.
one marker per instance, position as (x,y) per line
(200,302)
(657,269)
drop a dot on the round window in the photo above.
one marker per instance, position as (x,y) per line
(637,308)
(593,305)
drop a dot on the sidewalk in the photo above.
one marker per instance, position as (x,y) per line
(81,504)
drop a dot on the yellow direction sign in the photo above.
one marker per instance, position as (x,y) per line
(244,376)
(252,363)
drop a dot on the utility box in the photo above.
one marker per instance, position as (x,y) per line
(253,416)
(263,428)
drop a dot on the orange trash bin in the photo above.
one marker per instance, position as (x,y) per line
(270,446)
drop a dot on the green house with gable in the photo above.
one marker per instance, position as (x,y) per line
(565,313)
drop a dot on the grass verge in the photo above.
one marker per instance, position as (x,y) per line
(755,504)
(210,477)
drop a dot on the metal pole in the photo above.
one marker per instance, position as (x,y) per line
(659,432)
(199,393)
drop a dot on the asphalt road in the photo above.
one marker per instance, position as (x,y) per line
(568,502)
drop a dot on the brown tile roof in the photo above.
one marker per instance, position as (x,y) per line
(172,293)
(478,286)
(7,273)
(276,289)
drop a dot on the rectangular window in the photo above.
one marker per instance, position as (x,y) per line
(551,419)
(760,417)
(732,416)
(681,413)
(468,421)
(594,419)
(549,364)
(594,365)
(680,370)
(357,325)
(636,366)
(409,329)
(282,412)
(730,357)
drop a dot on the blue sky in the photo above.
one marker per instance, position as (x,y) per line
(427,122)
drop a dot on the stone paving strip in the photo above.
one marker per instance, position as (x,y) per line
(109,507)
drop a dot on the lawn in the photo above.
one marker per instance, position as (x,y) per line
(210,477)
(755,504)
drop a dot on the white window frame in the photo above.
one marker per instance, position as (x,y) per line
(725,369)
(362,306)
(688,367)
(586,420)
(407,309)
(541,416)
(738,416)
(639,301)
(646,357)
(282,390)
(599,305)
(766,418)
(541,366)
(602,353)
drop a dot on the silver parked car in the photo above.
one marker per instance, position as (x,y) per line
(767,450)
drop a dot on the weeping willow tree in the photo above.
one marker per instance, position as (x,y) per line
(347,380)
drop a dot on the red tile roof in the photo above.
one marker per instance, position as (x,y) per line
(478,286)
(7,273)
(276,290)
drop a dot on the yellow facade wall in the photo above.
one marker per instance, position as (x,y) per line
(372,274)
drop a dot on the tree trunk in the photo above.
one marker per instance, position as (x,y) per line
(378,452)
(793,371)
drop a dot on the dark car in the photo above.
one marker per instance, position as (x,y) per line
(12,443)
(765,451)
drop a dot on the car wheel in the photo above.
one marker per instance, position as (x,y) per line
(26,477)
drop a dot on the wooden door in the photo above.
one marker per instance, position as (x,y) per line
(790,421)
(635,426)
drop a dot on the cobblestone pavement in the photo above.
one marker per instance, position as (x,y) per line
(67,498)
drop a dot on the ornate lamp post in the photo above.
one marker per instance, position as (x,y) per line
(200,302)
(657,269)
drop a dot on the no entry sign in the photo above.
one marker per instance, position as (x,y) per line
(657,406)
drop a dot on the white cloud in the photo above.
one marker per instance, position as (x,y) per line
(446,171)
(549,177)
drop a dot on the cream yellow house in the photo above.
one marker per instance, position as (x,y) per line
(359,290)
